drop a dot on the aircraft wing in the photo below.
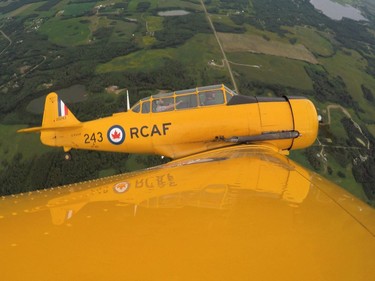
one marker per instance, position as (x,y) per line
(237,213)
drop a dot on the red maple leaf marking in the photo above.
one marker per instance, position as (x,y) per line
(116,135)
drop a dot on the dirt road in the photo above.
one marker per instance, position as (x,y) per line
(10,42)
(221,47)
(347,114)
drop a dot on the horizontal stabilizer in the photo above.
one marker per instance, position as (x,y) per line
(30,130)
(39,129)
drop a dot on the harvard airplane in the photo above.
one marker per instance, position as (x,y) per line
(231,206)
(185,122)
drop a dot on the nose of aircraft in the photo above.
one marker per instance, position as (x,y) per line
(306,122)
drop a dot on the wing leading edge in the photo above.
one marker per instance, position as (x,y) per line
(231,214)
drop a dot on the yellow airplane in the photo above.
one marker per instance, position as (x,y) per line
(232,207)
(185,122)
(236,213)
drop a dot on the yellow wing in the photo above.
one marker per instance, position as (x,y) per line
(237,213)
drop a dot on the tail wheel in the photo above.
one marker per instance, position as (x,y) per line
(67,156)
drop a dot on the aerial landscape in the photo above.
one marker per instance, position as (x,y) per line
(92,52)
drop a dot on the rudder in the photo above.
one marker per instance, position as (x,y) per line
(57,114)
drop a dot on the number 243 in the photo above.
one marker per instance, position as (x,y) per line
(94,137)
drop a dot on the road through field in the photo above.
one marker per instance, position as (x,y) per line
(10,42)
(336,106)
(322,154)
(221,47)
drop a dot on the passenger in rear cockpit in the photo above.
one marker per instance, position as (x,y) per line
(210,98)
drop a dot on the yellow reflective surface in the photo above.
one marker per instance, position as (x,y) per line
(241,213)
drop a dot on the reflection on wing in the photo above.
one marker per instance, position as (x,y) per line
(184,183)
(238,213)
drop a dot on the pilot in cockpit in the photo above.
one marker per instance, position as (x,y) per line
(162,106)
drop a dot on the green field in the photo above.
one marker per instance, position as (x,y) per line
(24,10)
(225,19)
(164,4)
(68,32)
(154,23)
(180,4)
(348,182)
(371,128)
(336,127)
(141,60)
(78,9)
(339,136)
(132,7)
(272,70)
(12,143)
(123,31)
(251,30)
(197,52)
(352,68)
(312,40)
(299,157)
(4,43)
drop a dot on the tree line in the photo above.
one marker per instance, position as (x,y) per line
(49,170)
(177,30)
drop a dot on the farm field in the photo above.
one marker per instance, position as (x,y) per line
(22,146)
(122,31)
(196,53)
(141,60)
(348,181)
(351,67)
(25,9)
(336,128)
(315,41)
(70,32)
(256,44)
(271,69)
(76,10)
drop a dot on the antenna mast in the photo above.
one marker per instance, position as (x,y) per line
(127,100)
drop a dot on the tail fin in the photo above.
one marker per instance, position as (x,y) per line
(56,116)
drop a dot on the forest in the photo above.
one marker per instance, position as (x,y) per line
(331,89)
(177,30)
(363,170)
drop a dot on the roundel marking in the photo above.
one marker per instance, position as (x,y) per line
(121,187)
(116,135)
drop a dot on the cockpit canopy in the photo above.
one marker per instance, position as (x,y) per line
(185,99)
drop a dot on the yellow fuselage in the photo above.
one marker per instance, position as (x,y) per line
(179,133)
(182,123)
